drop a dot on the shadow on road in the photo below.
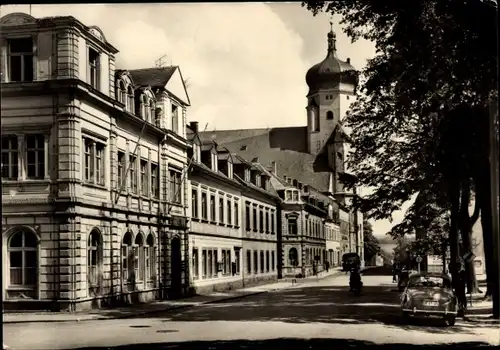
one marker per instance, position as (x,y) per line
(325,304)
(287,343)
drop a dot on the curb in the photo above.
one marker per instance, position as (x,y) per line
(171,308)
(143,313)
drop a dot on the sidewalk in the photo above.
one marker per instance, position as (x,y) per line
(159,306)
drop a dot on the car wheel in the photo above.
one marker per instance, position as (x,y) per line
(449,321)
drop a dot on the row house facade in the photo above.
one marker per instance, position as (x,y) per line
(232,233)
(93,159)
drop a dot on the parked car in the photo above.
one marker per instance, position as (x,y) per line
(429,295)
(350,261)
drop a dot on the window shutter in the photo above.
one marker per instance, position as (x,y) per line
(3,59)
(44,56)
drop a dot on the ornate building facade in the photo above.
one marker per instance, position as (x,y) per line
(93,161)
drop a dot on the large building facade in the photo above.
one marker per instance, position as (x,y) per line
(93,159)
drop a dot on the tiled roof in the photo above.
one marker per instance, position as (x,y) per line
(154,77)
(265,145)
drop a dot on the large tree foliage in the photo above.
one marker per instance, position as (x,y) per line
(420,121)
(371,244)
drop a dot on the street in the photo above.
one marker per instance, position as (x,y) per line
(318,314)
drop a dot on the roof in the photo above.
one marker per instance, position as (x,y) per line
(154,77)
(285,146)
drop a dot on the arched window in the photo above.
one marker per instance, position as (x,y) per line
(94,261)
(150,256)
(292,225)
(127,258)
(329,115)
(23,262)
(293,257)
(122,92)
(130,99)
(144,107)
(152,108)
(139,258)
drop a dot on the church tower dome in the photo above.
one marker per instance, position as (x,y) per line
(332,71)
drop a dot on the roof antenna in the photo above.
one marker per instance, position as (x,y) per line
(160,62)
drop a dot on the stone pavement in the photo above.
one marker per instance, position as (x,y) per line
(161,306)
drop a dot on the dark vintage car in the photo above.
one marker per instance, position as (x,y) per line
(429,295)
(350,261)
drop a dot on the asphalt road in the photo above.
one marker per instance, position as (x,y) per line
(319,315)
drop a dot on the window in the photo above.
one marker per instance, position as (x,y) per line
(23,262)
(210,264)
(292,226)
(212,208)
(295,195)
(221,210)
(132,173)
(175,186)
(195,261)
(10,157)
(329,115)
(204,263)
(150,258)
(139,258)
(261,220)
(94,161)
(175,118)
(288,196)
(255,262)
(127,258)
(94,260)
(121,171)
(267,261)
(130,99)
(144,178)
(229,212)
(226,262)
(35,155)
(93,68)
(261,261)
(293,257)
(204,206)
(154,181)
(267,221)
(21,65)
(247,216)
(194,203)
(236,215)
(121,92)
(237,260)
(254,219)
(273,265)
(272,222)
(146,110)
(142,106)
(249,261)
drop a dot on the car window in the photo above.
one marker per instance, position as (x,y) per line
(429,281)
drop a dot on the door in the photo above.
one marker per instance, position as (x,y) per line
(176,266)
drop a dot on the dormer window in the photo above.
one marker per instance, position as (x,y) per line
(142,106)
(214,161)
(121,94)
(295,196)
(247,175)
(175,118)
(130,99)
(257,180)
(196,152)
(230,169)
(288,195)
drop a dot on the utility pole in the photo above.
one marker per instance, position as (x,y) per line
(495,199)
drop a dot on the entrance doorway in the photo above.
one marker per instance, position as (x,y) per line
(176,265)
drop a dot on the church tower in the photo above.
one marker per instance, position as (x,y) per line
(332,84)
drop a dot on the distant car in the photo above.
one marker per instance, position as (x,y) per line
(429,295)
(350,261)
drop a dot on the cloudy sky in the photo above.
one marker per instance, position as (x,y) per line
(245,62)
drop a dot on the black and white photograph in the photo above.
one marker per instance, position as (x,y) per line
(250,175)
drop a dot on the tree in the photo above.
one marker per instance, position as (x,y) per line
(419,123)
(371,244)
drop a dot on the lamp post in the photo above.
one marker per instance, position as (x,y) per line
(495,194)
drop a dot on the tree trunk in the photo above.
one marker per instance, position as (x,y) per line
(454,222)
(465,231)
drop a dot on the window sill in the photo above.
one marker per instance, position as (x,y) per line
(213,222)
(195,219)
(204,221)
(25,181)
(96,186)
(222,224)
(254,230)
(236,226)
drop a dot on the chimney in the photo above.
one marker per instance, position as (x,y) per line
(285,178)
(306,188)
(348,60)
(300,186)
(194,126)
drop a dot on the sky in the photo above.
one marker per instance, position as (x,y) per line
(245,63)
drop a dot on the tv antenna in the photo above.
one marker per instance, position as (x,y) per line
(160,62)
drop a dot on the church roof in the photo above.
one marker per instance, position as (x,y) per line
(285,146)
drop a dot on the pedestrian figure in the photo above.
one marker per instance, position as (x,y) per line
(327,265)
(395,272)
(314,269)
